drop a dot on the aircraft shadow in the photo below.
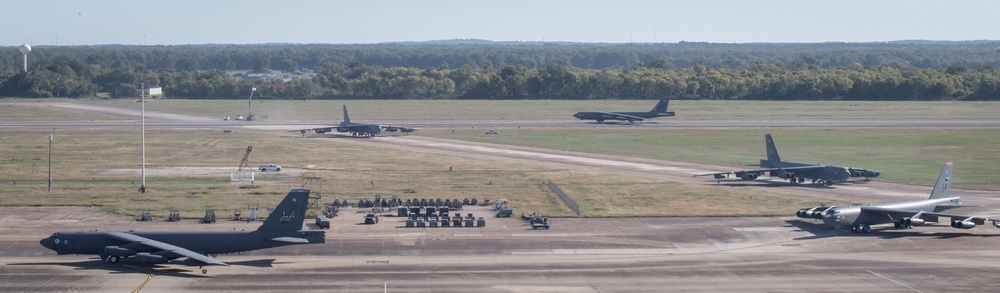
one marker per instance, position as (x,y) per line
(817,229)
(142,268)
(770,184)
(820,231)
(122,268)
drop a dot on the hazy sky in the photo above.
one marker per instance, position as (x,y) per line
(170,22)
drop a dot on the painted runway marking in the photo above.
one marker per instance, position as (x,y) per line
(894,281)
(148,277)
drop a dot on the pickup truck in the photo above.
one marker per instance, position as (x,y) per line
(270,167)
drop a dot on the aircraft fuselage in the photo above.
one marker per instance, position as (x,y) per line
(205,242)
(852,216)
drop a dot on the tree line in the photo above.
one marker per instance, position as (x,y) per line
(914,71)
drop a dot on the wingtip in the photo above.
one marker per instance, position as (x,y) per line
(948,164)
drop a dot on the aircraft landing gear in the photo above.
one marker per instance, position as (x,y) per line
(113,259)
(203,270)
(864,229)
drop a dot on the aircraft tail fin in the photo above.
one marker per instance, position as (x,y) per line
(347,119)
(942,188)
(661,107)
(290,213)
(772,152)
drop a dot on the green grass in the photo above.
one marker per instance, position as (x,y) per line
(905,155)
(82,157)
(348,170)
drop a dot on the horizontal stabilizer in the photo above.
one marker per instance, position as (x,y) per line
(959,205)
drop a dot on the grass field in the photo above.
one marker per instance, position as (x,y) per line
(81,158)
(910,155)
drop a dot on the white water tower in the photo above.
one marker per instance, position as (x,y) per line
(24,51)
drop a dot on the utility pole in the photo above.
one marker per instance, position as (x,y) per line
(142,100)
(50,162)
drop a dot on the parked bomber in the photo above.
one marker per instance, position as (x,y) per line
(903,215)
(357,129)
(796,172)
(283,227)
(660,110)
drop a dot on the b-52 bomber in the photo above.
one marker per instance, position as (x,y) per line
(357,129)
(283,227)
(660,110)
(796,172)
(903,215)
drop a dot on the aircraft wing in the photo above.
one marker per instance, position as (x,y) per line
(391,128)
(316,130)
(927,215)
(619,116)
(764,170)
(165,247)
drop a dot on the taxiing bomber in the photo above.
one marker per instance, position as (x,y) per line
(283,227)
(903,215)
(660,110)
(357,129)
(796,172)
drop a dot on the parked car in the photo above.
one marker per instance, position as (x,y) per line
(270,167)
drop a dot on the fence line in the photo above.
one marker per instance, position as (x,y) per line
(565,198)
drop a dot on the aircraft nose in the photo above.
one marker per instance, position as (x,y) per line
(47,243)
(829,219)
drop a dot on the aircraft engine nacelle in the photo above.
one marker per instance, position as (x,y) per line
(915,221)
(118,251)
(872,174)
(720,176)
(785,175)
(320,131)
(146,257)
(343,129)
(811,213)
(963,224)
(748,176)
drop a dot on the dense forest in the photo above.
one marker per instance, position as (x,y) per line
(472,69)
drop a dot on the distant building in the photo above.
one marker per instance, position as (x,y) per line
(152,90)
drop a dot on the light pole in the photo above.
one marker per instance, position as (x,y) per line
(142,100)
(249,108)
(50,162)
